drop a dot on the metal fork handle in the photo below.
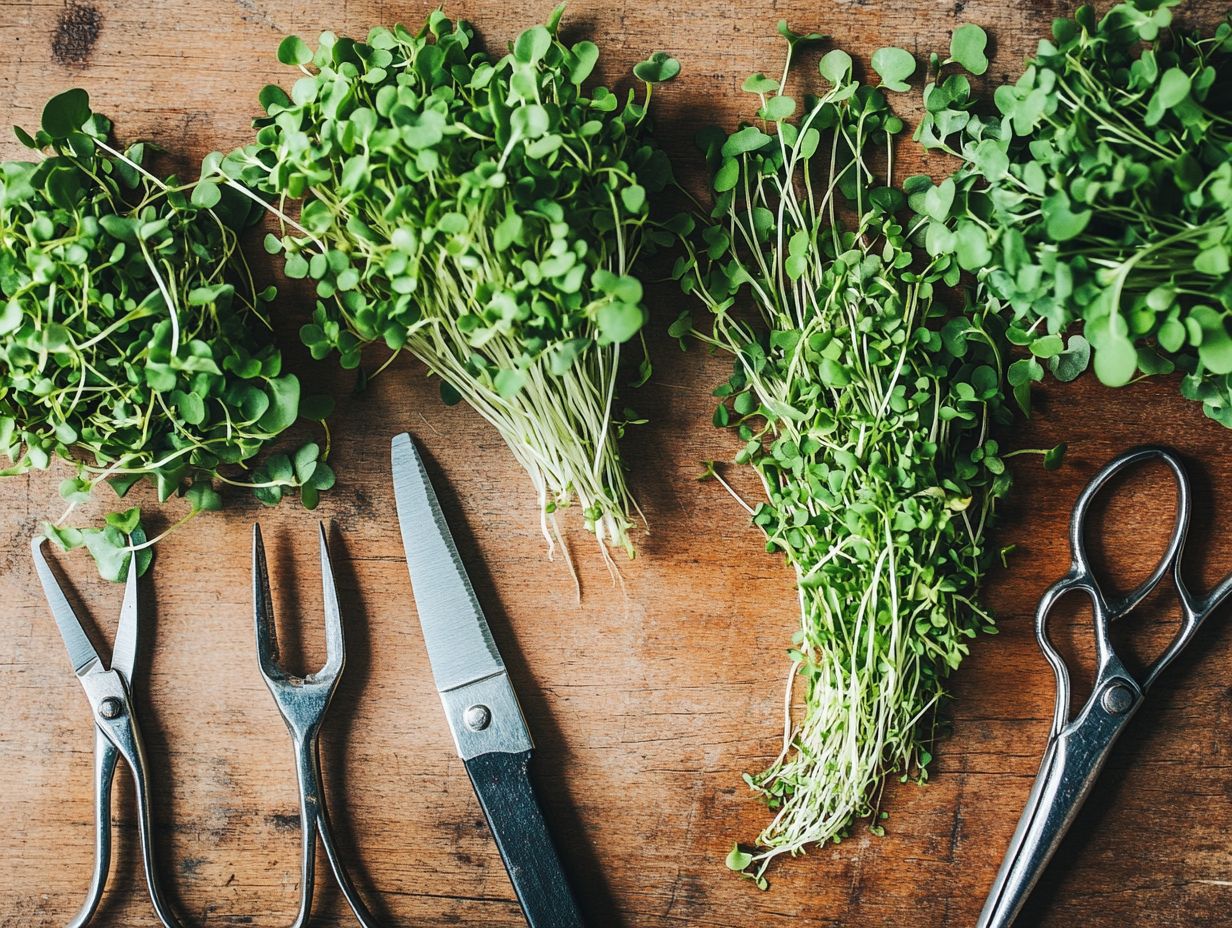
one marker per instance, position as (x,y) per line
(314,822)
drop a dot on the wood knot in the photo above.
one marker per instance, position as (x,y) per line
(76,32)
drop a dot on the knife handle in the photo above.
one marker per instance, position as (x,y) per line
(502,783)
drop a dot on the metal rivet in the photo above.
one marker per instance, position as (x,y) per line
(110,708)
(477,718)
(1117,699)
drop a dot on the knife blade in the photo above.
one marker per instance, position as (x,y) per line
(479,701)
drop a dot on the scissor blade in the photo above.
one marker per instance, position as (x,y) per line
(81,653)
(1071,764)
(124,652)
(460,645)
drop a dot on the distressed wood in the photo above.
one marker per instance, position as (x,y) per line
(646,703)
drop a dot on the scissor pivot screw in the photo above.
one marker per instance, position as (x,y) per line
(1117,699)
(477,717)
(111,708)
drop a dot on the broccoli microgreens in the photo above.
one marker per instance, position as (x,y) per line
(133,340)
(866,409)
(485,215)
(1097,192)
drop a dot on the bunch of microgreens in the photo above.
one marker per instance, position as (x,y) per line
(484,215)
(133,341)
(1099,191)
(866,410)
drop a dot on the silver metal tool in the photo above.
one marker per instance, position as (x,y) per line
(302,702)
(479,701)
(117,734)
(1079,746)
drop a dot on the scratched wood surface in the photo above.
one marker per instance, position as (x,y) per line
(646,705)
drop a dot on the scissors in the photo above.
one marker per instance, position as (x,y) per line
(1079,746)
(117,733)
(302,702)
(479,701)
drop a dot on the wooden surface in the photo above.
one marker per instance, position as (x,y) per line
(646,705)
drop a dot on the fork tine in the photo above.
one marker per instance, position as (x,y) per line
(263,609)
(335,644)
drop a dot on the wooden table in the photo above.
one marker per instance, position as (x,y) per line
(646,705)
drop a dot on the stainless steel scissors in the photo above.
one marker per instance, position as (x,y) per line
(117,734)
(302,702)
(479,701)
(1079,746)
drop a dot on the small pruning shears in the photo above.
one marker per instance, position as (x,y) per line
(1078,747)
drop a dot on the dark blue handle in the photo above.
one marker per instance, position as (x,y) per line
(502,783)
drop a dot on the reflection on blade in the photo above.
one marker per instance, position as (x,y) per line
(460,645)
(124,652)
(81,653)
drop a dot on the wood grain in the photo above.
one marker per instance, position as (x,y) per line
(646,703)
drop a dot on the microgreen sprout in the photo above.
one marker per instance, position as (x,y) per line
(867,409)
(133,340)
(485,215)
(1097,193)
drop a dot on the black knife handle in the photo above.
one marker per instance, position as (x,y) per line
(502,783)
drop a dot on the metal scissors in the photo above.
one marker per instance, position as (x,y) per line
(117,733)
(302,702)
(1079,746)
(479,701)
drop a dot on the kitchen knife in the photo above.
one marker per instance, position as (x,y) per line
(480,704)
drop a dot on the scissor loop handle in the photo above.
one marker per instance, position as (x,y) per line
(1081,571)
(1083,577)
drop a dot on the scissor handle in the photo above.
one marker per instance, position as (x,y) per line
(1106,610)
(1081,571)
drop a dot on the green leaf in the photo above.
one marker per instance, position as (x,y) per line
(509,383)
(1212,261)
(1173,88)
(205,194)
(618,322)
(939,199)
(759,83)
(656,69)
(293,51)
(895,66)
(66,112)
(586,56)
(1070,363)
(968,47)
(737,859)
(835,66)
(1116,361)
(283,410)
(126,521)
(532,45)
(798,38)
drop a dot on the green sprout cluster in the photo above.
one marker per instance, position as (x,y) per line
(1094,198)
(486,215)
(867,410)
(133,341)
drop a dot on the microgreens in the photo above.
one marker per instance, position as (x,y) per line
(866,409)
(485,215)
(1098,192)
(133,340)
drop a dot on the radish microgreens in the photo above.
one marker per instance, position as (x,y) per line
(486,216)
(866,409)
(133,340)
(1095,198)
